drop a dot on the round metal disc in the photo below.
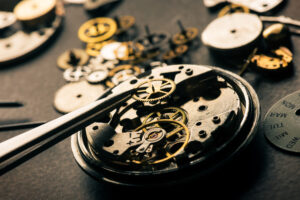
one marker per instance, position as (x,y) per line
(282,123)
(232,31)
(97,76)
(22,43)
(75,95)
(6,19)
(64,60)
(108,51)
(33,9)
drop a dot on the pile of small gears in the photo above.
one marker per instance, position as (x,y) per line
(31,24)
(110,59)
(238,32)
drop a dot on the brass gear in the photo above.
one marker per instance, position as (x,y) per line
(129,70)
(97,30)
(180,134)
(173,113)
(154,89)
(233,8)
(190,34)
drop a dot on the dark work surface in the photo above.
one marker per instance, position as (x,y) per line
(262,172)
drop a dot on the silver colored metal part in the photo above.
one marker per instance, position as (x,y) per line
(282,123)
(97,76)
(108,52)
(232,32)
(74,1)
(281,19)
(222,112)
(259,6)
(122,76)
(22,43)
(6,19)
(76,95)
(75,74)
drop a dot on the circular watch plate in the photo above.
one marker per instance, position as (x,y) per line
(232,31)
(76,95)
(282,123)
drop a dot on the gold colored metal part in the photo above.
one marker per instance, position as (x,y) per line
(129,51)
(173,113)
(125,23)
(129,70)
(80,58)
(180,38)
(154,90)
(178,51)
(285,54)
(173,135)
(93,49)
(267,62)
(97,30)
(283,59)
(233,8)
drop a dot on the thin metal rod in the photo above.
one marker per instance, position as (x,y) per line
(281,19)
(23,125)
(5,104)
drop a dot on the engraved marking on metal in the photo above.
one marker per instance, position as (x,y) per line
(282,123)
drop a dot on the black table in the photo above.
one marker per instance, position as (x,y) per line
(262,172)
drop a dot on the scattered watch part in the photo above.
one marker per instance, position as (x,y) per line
(232,32)
(154,64)
(268,63)
(276,35)
(129,51)
(284,53)
(124,23)
(93,49)
(34,12)
(97,5)
(7,19)
(76,95)
(223,124)
(282,123)
(75,74)
(97,30)
(185,36)
(108,51)
(282,58)
(122,73)
(233,8)
(175,53)
(152,41)
(74,1)
(72,58)
(22,43)
(281,19)
(97,76)
(260,6)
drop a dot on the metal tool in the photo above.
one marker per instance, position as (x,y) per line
(16,149)
(281,19)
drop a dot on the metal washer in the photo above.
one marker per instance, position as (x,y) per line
(282,123)
(232,31)
(75,95)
